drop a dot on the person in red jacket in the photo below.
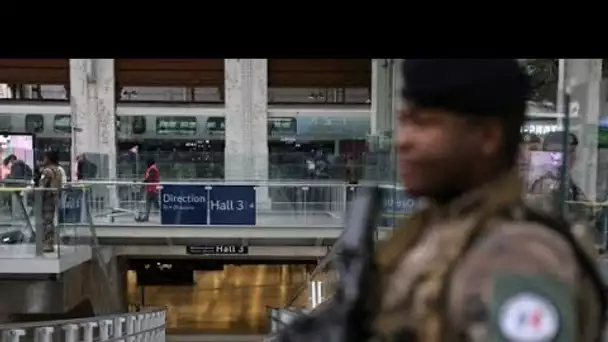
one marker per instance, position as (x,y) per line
(152,175)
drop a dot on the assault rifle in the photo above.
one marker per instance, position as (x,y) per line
(348,316)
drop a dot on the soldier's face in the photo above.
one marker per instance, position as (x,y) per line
(438,152)
(560,148)
(533,147)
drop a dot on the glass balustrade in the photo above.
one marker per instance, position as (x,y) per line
(41,222)
(221,203)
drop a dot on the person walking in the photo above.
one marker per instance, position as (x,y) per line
(152,176)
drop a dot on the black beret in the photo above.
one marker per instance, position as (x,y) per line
(557,138)
(488,87)
(531,138)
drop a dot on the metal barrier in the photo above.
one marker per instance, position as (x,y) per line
(215,203)
(590,215)
(50,227)
(31,214)
(28,214)
(593,216)
(144,326)
(318,289)
(263,203)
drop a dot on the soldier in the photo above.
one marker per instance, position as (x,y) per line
(50,179)
(477,264)
(553,143)
(545,190)
(531,142)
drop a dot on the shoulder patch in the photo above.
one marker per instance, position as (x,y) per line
(532,308)
(528,317)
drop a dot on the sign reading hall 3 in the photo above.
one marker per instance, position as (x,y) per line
(208,205)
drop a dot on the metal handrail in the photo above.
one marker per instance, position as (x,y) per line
(280,182)
(76,321)
(37,191)
(316,183)
(144,326)
(328,258)
(89,221)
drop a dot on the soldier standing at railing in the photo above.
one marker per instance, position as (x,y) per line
(50,179)
(544,191)
(549,182)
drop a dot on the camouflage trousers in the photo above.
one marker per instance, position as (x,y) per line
(48,218)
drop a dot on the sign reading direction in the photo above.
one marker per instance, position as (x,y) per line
(183,204)
(203,205)
(218,250)
(232,205)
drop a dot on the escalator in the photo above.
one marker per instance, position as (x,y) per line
(222,298)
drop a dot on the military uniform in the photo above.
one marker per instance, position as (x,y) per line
(50,179)
(485,267)
(544,193)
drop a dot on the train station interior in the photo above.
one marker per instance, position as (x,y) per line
(256,163)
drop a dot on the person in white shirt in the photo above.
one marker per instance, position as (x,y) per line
(64,178)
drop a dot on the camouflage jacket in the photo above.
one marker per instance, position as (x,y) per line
(50,179)
(486,268)
(544,192)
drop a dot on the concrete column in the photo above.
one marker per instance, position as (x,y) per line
(93,113)
(382,96)
(246,94)
(584,76)
(383,107)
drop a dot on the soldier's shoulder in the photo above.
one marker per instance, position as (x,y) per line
(513,266)
(517,230)
(522,247)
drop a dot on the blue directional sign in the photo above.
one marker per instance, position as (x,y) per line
(396,205)
(70,208)
(183,204)
(232,204)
